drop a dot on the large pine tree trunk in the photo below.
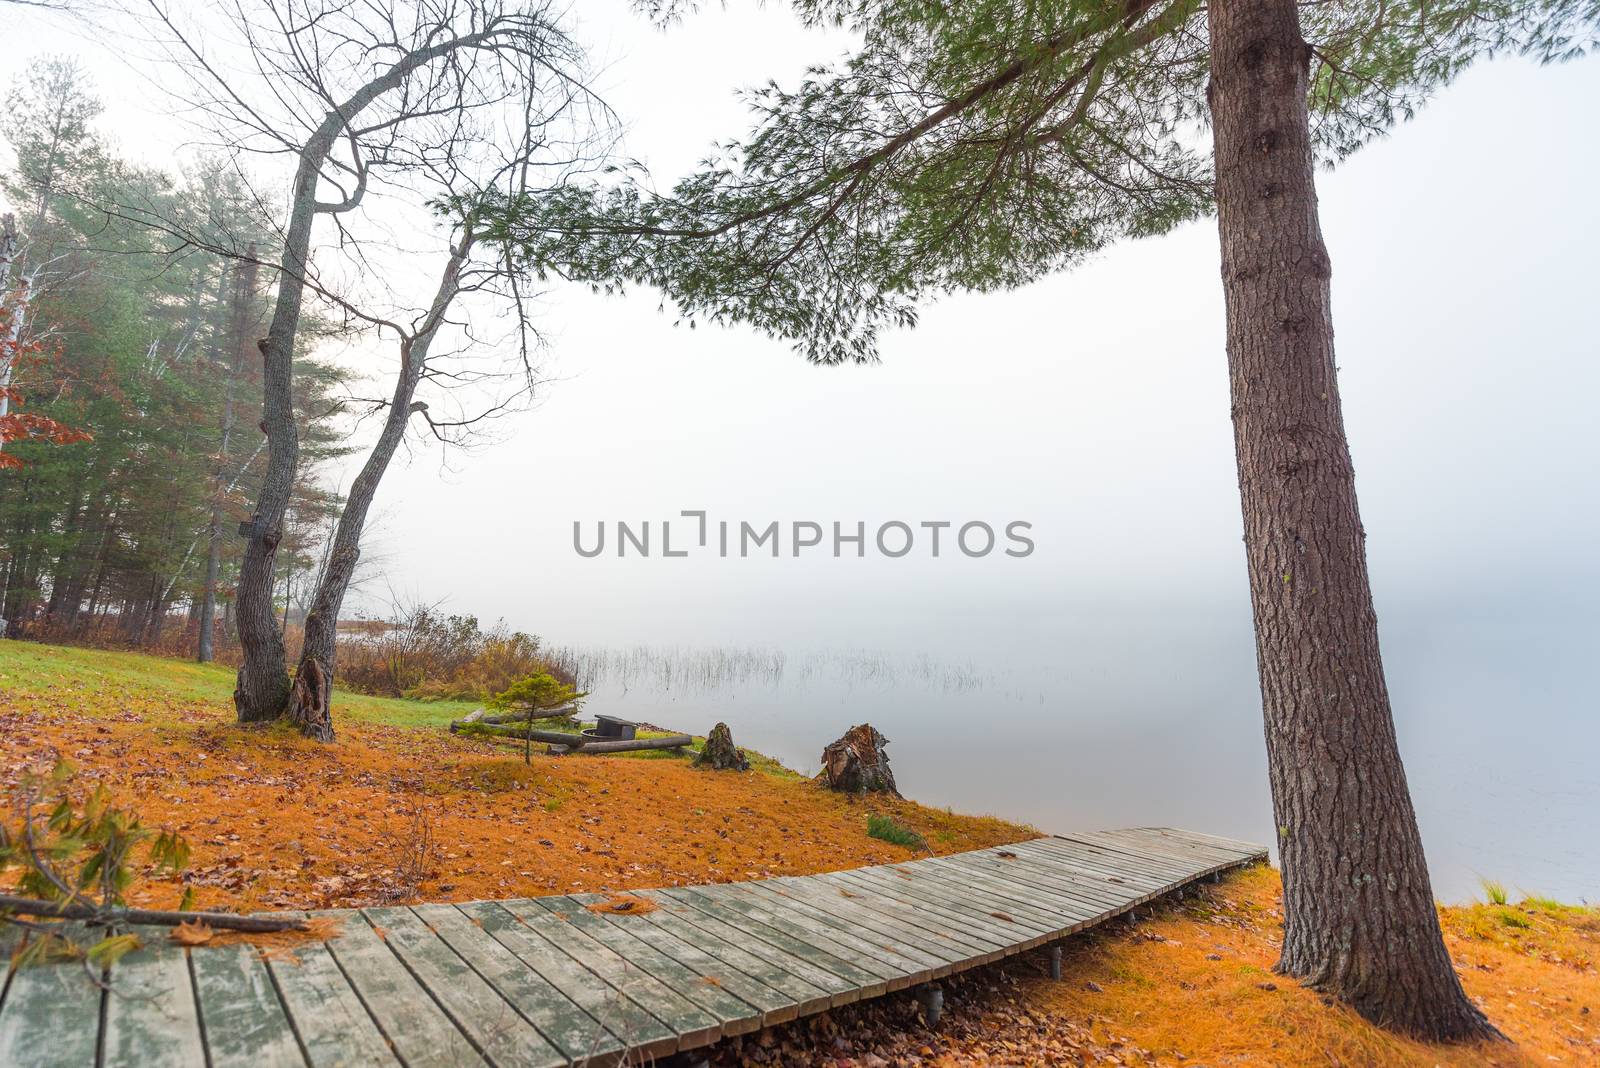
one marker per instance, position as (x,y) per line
(1358,910)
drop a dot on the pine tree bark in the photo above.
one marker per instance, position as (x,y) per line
(1359,915)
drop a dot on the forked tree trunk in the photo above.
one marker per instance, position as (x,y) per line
(1359,918)
(262,691)
(310,699)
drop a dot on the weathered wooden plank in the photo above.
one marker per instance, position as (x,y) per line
(1050,900)
(333,1026)
(840,907)
(1134,859)
(578,1036)
(894,970)
(936,948)
(733,1014)
(418,1029)
(491,1023)
(993,934)
(1245,850)
(776,1007)
(1183,849)
(803,997)
(976,940)
(610,1006)
(1060,887)
(691,1024)
(1131,853)
(243,1019)
(849,965)
(932,934)
(1189,843)
(1177,856)
(958,886)
(1079,865)
(1013,864)
(1094,863)
(151,1017)
(51,1012)
(1128,866)
(815,964)
(932,900)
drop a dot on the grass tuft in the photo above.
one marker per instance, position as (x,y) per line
(889,829)
(1495,892)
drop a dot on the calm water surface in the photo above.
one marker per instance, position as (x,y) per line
(1090,732)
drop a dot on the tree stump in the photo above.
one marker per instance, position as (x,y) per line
(720,753)
(857,763)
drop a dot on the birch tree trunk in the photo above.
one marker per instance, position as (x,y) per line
(1359,913)
(16,305)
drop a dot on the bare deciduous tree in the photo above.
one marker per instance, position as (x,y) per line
(443,105)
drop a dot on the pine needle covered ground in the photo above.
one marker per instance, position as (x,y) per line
(398,810)
(1193,986)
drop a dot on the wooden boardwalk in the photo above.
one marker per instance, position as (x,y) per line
(546,982)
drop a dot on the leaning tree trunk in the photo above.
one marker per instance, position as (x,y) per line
(310,700)
(263,682)
(1359,918)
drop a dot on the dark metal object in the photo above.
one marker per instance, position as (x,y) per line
(612,727)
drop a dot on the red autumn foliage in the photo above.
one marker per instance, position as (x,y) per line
(15,425)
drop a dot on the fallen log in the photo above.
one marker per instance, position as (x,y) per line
(482,718)
(522,717)
(222,921)
(627,745)
(521,733)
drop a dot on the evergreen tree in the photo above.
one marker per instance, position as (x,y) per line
(108,536)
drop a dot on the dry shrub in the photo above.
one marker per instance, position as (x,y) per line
(423,654)
(417,853)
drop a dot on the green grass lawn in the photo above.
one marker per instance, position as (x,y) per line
(33,673)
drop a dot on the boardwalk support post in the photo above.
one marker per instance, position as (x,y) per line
(931,997)
(1055,961)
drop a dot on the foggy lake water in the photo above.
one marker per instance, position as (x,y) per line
(1081,736)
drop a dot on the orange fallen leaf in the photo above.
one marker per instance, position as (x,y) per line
(624,905)
(192,933)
